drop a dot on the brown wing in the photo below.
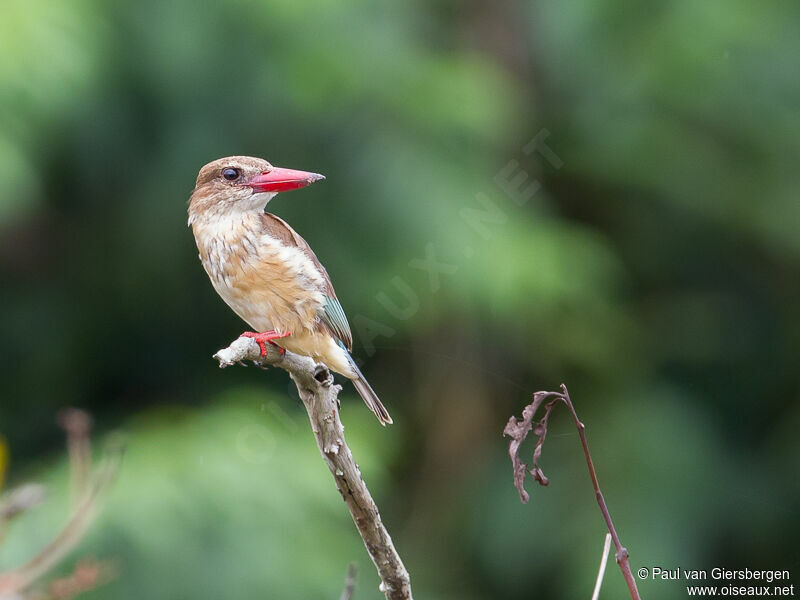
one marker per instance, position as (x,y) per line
(332,316)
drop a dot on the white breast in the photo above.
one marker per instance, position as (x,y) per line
(268,284)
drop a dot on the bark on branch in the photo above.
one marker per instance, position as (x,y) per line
(320,396)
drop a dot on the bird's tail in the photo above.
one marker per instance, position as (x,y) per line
(369,395)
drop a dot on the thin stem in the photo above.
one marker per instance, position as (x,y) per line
(15,581)
(602,570)
(518,430)
(622,552)
(78,424)
(349,583)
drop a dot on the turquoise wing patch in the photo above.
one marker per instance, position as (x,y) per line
(334,318)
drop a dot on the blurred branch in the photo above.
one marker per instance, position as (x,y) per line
(602,570)
(17,581)
(349,583)
(321,398)
(88,575)
(18,501)
(518,430)
(78,425)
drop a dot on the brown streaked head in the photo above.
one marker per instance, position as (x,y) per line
(244,183)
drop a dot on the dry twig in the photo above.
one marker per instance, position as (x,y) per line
(18,500)
(78,425)
(17,582)
(602,570)
(320,397)
(518,430)
(349,583)
(87,575)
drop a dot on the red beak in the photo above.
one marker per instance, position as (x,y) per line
(282,180)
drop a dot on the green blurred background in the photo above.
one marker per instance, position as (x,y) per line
(654,270)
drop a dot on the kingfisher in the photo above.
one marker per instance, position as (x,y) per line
(265,271)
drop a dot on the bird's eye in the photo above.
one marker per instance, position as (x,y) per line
(231,174)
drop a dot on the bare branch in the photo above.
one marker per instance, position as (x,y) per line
(19,500)
(320,397)
(349,583)
(602,570)
(16,581)
(88,574)
(77,424)
(518,431)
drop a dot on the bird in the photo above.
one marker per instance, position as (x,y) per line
(265,271)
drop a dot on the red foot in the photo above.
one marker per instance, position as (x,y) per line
(265,337)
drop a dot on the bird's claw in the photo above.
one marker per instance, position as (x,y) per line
(265,337)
